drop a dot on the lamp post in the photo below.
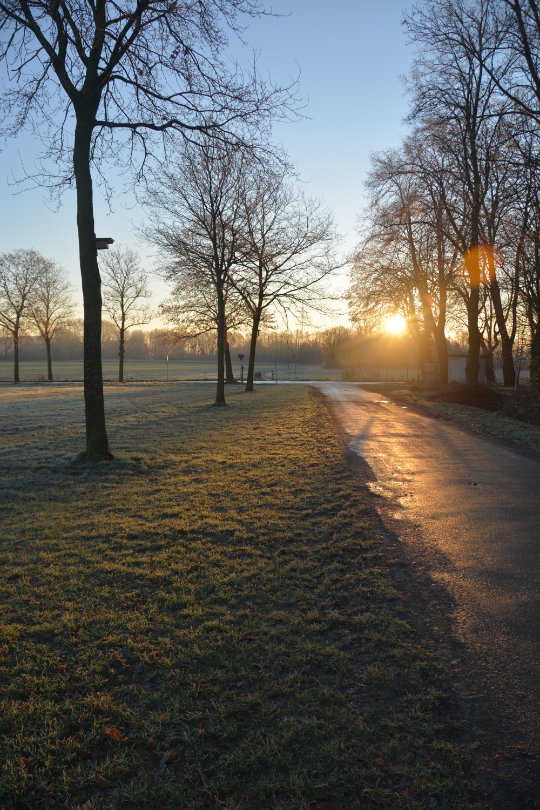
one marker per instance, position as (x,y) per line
(241,358)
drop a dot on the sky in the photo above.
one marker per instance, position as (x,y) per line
(351,56)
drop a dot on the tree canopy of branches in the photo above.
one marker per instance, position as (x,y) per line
(125,286)
(332,340)
(285,253)
(512,58)
(85,73)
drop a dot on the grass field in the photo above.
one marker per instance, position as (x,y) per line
(206,621)
(70,371)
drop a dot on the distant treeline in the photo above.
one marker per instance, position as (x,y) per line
(155,345)
(337,347)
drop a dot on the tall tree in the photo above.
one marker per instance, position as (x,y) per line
(51,305)
(512,60)
(19,272)
(408,219)
(524,241)
(196,221)
(457,101)
(101,69)
(125,288)
(498,203)
(450,202)
(285,252)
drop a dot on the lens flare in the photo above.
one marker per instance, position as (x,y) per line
(481,263)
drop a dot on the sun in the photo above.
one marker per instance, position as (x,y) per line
(395,324)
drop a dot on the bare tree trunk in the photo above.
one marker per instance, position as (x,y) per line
(229,374)
(473,357)
(221,326)
(49,360)
(16,378)
(488,350)
(122,352)
(97,445)
(438,333)
(535,354)
(252,349)
(424,353)
(442,355)
(472,263)
(490,366)
(509,373)
(440,329)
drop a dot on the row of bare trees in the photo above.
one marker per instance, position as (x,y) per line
(453,231)
(240,246)
(35,289)
(35,294)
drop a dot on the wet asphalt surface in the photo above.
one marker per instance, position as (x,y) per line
(465,511)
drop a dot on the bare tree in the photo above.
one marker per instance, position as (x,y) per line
(408,222)
(512,60)
(524,242)
(19,272)
(125,285)
(196,221)
(101,69)
(503,296)
(51,305)
(285,252)
(457,101)
(331,341)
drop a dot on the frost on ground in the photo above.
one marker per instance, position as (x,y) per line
(42,428)
(206,618)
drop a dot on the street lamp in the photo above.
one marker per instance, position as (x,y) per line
(241,358)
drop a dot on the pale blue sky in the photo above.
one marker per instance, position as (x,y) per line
(351,54)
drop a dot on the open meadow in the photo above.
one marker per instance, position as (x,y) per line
(207,620)
(138,370)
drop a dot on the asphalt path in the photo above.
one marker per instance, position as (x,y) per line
(468,509)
